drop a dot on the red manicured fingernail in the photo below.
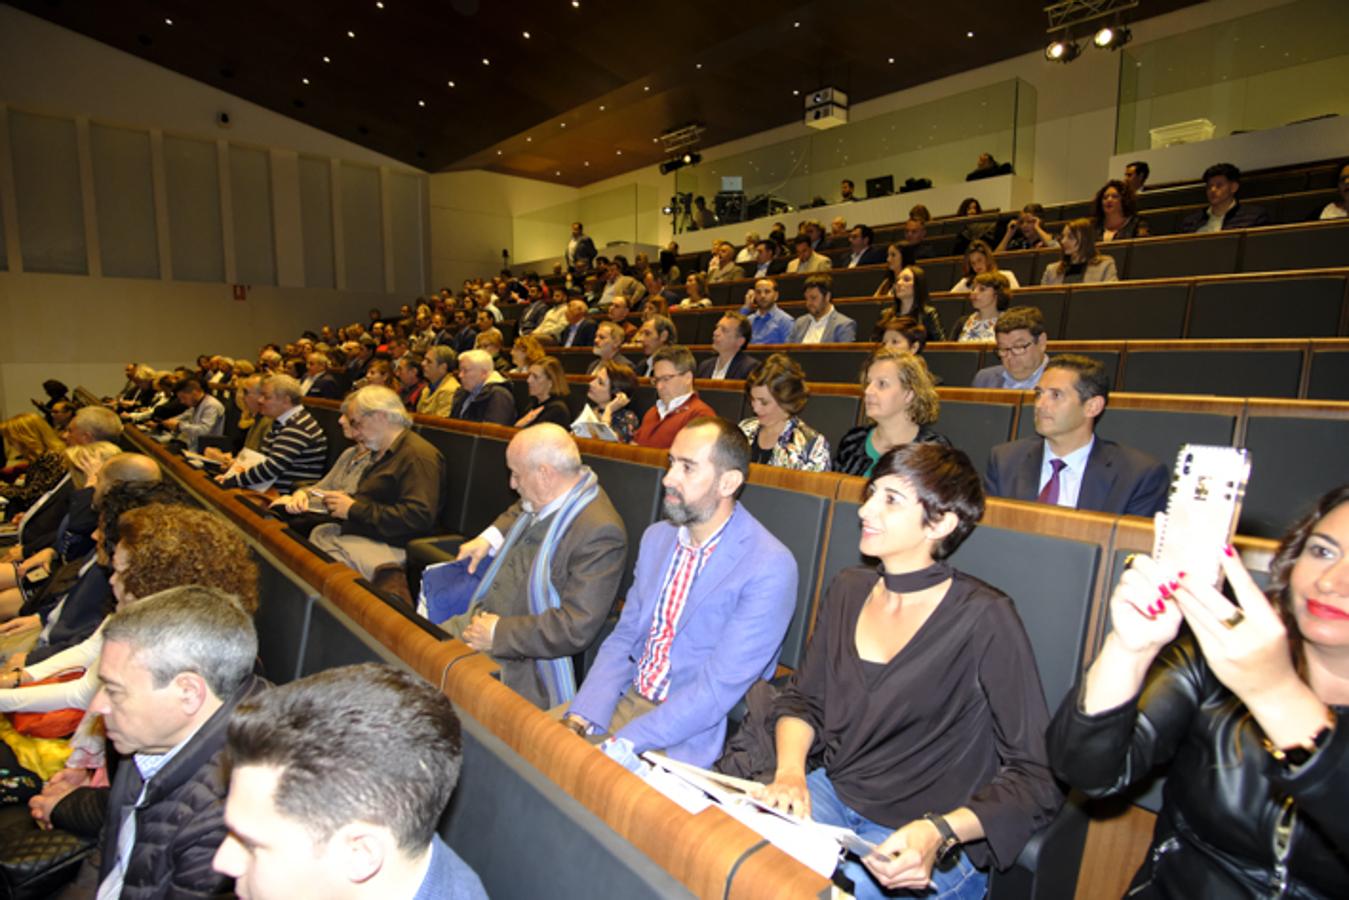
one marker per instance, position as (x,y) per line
(1181,574)
(1166,590)
(1229,550)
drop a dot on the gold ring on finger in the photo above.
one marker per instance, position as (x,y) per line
(1235,619)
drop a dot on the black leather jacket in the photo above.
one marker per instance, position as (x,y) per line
(1218,833)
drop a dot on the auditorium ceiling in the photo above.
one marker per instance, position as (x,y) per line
(569,91)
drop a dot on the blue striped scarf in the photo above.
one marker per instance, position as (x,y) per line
(558,676)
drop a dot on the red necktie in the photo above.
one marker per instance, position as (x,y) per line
(1050,492)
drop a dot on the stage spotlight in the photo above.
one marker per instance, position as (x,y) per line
(1063,51)
(679,162)
(1112,37)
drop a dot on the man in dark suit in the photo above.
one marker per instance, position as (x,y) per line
(580,330)
(1221,183)
(915,246)
(580,249)
(729,339)
(766,260)
(531,635)
(1068,465)
(863,253)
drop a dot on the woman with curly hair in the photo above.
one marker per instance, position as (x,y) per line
(1115,213)
(901,403)
(28,437)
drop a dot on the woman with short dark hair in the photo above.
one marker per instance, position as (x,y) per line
(917,718)
(777,394)
(548,392)
(1081,264)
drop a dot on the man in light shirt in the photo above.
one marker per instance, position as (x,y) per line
(822,323)
(1221,183)
(1067,465)
(729,338)
(768,323)
(807,260)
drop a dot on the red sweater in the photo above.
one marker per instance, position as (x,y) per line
(657,432)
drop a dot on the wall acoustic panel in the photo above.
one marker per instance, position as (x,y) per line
(192,174)
(316,222)
(48,193)
(362,234)
(125,199)
(405,209)
(251,196)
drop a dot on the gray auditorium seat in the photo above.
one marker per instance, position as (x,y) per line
(955,368)
(1234,372)
(1267,308)
(1123,311)
(1293,462)
(1214,254)
(976,427)
(832,415)
(1303,247)
(635,491)
(727,403)
(1052,302)
(1329,378)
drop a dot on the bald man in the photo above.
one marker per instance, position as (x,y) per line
(553,562)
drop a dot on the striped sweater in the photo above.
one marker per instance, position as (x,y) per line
(296,450)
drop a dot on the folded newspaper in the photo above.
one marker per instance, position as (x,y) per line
(813,844)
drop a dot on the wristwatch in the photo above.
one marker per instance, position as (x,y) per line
(1290,759)
(950,844)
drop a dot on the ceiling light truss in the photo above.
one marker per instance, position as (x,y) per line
(677,140)
(1067,14)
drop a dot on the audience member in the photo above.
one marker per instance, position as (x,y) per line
(657,291)
(620,314)
(1067,465)
(971,206)
(609,340)
(766,260)
(29,439)
(532,315)
(777,436)
(1114,212)
(295,449)
(478,399)
(822,323)
(580,330)
(1081,263)
(746,253)
(202,416)
(702,216)
(676,403)
(901,404)
(989,297)
(916,245)
(397,499)
(729,337)
(620,283)
(695,292)
(1240,711)
(979,259)
(893,654)
(768,323)
(807,260)
(711,599)
(580,248)
(344,475)
(1136,176)
(908,286)
(1026,233)
(318,381)
(726,269)
(611,390)
(554,321)
(411,385)
(437,399)
(557,560)
(860,243)
(838,232)
(846,191)
(904,333)
(655,333)
(1022,341)
(525,352)
(174,666)
(548,392)
(320,799)
(1339,207)
(1221,183)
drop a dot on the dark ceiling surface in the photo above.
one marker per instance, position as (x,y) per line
(457,84)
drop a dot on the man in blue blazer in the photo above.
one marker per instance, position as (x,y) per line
(706,615)
(1068,465)
(822,323)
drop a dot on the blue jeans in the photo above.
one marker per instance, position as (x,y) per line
(960,882)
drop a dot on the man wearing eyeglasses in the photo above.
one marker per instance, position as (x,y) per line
(1020,333)
(676,402)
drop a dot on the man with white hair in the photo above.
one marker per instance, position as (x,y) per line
(295,449)
(479,400)
(397,499)
(557,556)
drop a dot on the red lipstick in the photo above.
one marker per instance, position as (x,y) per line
(1325,610)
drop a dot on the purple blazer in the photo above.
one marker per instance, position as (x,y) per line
(729,636)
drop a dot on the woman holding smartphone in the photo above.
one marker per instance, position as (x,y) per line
(1242,711)
(917,719)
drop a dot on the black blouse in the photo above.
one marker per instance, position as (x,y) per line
(956,718)
(852,458)
(554,410)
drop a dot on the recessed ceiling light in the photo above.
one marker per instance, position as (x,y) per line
(796,93)
(587,163)
(486,61)
(559,172)
(646,87)
(529,140)
(891,60)
(618,152)
(351,34)
(564,124)
(601,107)
(526,34)
(698,66)
(575,4)
(304,81)
(450,83)
(969,34)
(421,102)
(379,4)
(168,22)
(327,59)
(796,24)
(498,153)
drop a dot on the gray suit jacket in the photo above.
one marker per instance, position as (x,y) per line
(838,329)
(586,570)
(1119,480)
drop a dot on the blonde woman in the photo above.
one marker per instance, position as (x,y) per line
(901,402)
(29,439)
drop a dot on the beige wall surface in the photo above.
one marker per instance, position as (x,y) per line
(84,330)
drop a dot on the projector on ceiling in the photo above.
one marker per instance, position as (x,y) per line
(826,108)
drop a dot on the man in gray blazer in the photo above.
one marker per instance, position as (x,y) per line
(1067,465)
(1021,337)
(563,520)
(822,323)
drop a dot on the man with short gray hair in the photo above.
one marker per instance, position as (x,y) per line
(173,668)
(398,498)
(94,423)
(557,556)
(480,400)
(295,448)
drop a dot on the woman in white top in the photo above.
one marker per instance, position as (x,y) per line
(978,260)
(989,297)
(696,296)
